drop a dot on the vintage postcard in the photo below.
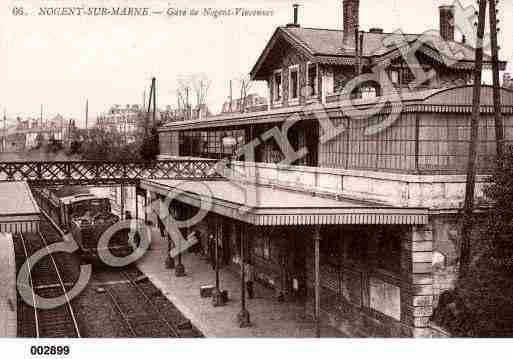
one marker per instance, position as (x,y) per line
(254,169)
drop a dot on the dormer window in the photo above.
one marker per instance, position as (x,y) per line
(277,83)
(394,77)
(294,82)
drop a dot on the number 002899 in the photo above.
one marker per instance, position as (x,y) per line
(49,350)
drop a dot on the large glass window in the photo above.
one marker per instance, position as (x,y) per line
(210,144)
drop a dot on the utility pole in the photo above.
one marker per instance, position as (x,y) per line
(4,140)
(499,129)
(146,118)
(187,103)
(41,117)
(154,85)
(87,115)
(231,95)
(69,132)
(472,153)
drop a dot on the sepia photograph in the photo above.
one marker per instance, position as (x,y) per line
(322,172)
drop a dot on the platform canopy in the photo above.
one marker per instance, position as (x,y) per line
(19,211)
(267,206)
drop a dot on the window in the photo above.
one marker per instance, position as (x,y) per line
(394,77)
(328,83)
(277,86)
(294,82)
(312,79)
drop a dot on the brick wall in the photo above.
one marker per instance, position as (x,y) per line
(447,23)
(351,15)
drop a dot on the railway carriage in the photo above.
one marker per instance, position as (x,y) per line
(83,214)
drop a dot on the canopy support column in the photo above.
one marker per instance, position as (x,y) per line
(180,269)
(122,204)
(217,297)
(243,317)
(317,240)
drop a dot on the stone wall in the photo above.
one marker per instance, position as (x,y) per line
(446,232)
(440,192)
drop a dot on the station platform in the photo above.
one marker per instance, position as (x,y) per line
(19,211)
(269,317)
(8,313)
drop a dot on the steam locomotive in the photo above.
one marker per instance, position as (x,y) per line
(85,215)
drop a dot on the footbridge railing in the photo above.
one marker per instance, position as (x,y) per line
(100,173)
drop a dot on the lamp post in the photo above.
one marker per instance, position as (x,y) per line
(217,298)
(180,269)
(170,261)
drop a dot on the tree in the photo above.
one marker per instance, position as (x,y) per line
(482,303)
(39,140)
(53,145)
(201,86)
(149,148)
(197,85)
(245,84)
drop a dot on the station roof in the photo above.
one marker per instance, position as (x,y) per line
(267,206)
(16,200)
(439,100)
(326,46)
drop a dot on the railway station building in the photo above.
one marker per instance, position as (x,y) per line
(359,216)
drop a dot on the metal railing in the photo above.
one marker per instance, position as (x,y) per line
(106,173)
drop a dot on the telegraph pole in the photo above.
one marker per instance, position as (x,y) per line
(4,143)
(146,118)
(187,103)
(154,86)
(499,129)
(472,153)
(87,115)
(231,95)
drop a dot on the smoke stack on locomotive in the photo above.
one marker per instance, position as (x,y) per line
(82,213)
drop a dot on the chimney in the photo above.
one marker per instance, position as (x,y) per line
(351,10)
(296,16)
(447,22)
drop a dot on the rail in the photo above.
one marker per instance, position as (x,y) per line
(36,321)
(61,321)
(148,300)
(62,285)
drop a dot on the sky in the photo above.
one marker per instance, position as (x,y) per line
(60,61)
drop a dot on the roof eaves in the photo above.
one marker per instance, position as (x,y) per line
(288,36)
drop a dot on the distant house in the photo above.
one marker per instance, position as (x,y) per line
(124,120)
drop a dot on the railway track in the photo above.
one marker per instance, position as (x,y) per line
(49,278)
(143,310)
(131,303)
